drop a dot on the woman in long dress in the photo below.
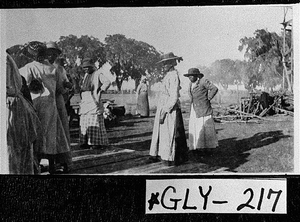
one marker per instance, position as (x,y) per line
(142,98)
(41,77)
(168,139)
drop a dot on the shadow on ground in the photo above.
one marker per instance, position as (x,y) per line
(137,146)
(232,153)
(133,145)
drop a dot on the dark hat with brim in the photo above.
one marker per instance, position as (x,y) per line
(53,45)
(169,56)
(87,62)
(194,72)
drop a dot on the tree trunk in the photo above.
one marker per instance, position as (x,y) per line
(287,77)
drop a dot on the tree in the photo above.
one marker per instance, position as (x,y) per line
(75,49)
(264,55)
(224,72)
(130,58)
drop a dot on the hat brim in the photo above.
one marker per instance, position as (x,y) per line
(174,58)
(190,74)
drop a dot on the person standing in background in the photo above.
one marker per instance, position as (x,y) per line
(168,138)
(92,129)
(142,98)
(202,133)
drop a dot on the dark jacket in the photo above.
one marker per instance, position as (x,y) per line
(200,96)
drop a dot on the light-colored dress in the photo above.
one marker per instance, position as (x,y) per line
(55,143)
(92,128)
(22,125)
(142,100)
(168,139)
(202,133)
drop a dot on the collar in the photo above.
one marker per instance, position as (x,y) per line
(195,83)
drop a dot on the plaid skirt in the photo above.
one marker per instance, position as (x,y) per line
(92,130)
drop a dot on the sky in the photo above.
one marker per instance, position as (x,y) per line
(200,34)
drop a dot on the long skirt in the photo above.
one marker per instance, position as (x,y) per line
(65,157)
(202,133)
(55,145)
(143,104)
(92,130)
(168,139)
(23,128)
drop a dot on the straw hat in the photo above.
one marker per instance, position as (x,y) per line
(169,56)
(194,72)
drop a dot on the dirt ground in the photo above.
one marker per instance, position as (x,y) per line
(263,147)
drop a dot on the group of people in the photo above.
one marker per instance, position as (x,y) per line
(37,120)
(36,113)
(168,142)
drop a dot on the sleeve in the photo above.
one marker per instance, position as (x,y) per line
(26,73)
(212,89)
(66,82)
(173,91)
(104,81)
(59,81)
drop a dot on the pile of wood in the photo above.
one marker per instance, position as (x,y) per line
(258,105)
(285,103)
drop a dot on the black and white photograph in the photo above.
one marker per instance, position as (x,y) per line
(150,113)
(158,90)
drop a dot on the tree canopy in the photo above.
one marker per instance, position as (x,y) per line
(264,53)
(130,58)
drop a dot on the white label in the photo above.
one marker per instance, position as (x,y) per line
(259,196)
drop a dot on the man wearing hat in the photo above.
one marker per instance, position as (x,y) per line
(168,139)
(92,129)
(202,133)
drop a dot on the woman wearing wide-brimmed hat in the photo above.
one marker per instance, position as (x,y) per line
(92,129)
(41,78)
(168,139)
(142,98)
(202,133)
